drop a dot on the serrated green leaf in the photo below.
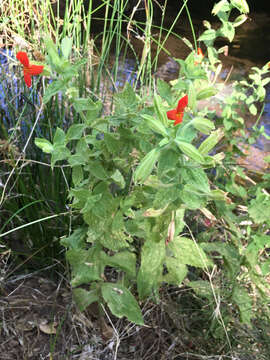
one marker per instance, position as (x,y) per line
(167,161)
(152,258)
(165,196)
(125,101)
(77,174)
(230,254)
(164,90)
(76,240)
(75,132)
(196,177)
(85,265)
(259,208)
(113,143)
(96,169)
(118,178)
(191,198)
(121,302)
(84,298)
(59,153)
(59,138)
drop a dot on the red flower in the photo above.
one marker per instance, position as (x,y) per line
(28,70)
(178,113)
(199,56)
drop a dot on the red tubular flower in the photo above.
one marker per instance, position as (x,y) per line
(178,113)
(200,56)
(28,70)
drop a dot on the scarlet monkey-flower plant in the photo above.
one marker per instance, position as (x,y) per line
(178,113)
(28,69)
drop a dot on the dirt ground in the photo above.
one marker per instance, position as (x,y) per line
(40,321)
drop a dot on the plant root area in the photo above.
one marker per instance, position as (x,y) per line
(40,321)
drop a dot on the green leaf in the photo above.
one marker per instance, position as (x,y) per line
(167,161)
(259,208)
(221,6)
(77,174)
(84,298)
(85,265)
(164,90)
(76,240)
(206,93)
(59,153)
(54,88)
(113,144)
(52,53)
(240,20)
(203,125)
(253,110)
(191,198)
(211,141)
(188,252)
(96,169)
(121,302)
(229,253)
(75,132)
(244,302)
(190,151)
(155,125)
(160,110)
(196,177)
(152,259)
(66,46)
(146,166)
(125,101)
(165,196)
(227,30)
(118,178)
(124,260)
(241,5)
(84,104)
(176,271)
(208,35)
(44,145)
(59,138)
